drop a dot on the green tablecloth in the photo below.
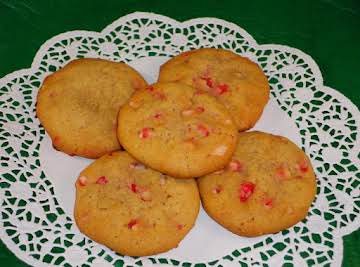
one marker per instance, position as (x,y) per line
(328,30)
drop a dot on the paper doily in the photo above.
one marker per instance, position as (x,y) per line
(36,220)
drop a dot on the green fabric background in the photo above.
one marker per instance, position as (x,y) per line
(327,30)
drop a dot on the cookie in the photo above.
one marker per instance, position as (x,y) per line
(267,187)
(235,81)
(132,209)
(175,130)
(78,105)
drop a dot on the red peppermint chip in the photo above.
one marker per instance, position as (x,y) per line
(236,166)
(209,81)
(268,203)
(145,133)
(245,191)
(186,54)
(217,189)
(134,188)
(159,95)
(56,139)
(303,166)
(102,180)
(222,88)
(82,180)
(283,172)
(157,115)
(204,131)
(199,109)
(132,225)
(137,84)
(179,226)
(150,88)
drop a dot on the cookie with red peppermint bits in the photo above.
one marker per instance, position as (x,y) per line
(78,105)
(174,130)
(133,209)
(236,81)
(268,186)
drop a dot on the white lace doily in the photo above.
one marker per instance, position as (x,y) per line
(37,183)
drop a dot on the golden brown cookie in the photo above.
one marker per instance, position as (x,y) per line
(132,209)
(175,130)
(235,81)
(268,186)
(78,105)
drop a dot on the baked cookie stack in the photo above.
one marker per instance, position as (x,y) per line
(184,140)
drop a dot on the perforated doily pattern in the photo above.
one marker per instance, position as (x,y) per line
(34,225)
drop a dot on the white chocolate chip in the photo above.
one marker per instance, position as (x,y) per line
(145,195)
(219,172)
(137,166)
(134,104)
(239,75)
(290,210)
(219,151)
(162,180)
(187,112)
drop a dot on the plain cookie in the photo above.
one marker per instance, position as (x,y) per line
(78,105)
